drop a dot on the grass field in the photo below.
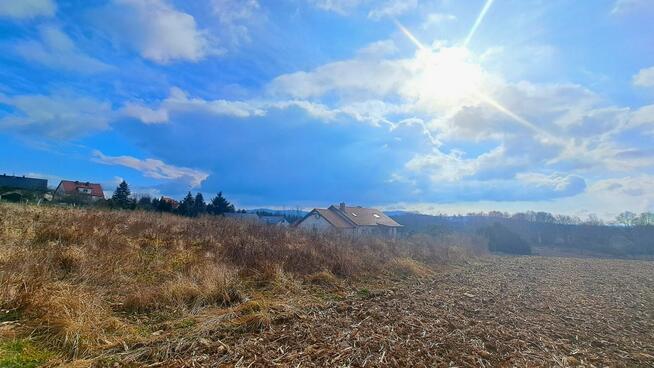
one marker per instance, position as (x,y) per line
(85,288)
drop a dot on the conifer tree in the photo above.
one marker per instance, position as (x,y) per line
(187,206)
(199,205)
(219,205)
(121,197)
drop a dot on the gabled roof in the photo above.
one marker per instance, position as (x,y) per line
(71,187)
(365,216)
(333,218)
(342,217)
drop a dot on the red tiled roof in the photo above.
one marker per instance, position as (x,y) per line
(72,187)
(173,203)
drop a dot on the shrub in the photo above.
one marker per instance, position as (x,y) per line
(501,239)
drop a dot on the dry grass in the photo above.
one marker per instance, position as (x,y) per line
(88,282)
(408,267)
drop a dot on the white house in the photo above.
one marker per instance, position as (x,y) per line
(353,220)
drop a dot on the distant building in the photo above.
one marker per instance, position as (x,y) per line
(243,216)
(352,220)
(83,191)
(173,203)
(274,220)
(22,182)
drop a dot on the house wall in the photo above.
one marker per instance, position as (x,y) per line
(376,230)
(315,222)
(59,192)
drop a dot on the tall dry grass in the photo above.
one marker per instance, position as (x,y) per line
(80,278)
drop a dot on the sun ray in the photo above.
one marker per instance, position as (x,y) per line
(478,21)
(410,35)
(483,97)
(490,101)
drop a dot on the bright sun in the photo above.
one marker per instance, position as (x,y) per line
(444,79)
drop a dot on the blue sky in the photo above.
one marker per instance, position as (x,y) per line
(438,106)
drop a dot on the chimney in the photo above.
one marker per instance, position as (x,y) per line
(342,206)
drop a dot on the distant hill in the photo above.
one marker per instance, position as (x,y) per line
(400,213)
(298,213)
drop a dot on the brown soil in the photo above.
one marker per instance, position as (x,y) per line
(504,311)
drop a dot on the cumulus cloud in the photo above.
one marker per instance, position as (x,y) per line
(156,30)
(355,76)
(25,9)
(561,128)
(56,50)
(61,115)
(179,102)
(155,169)
(644,77)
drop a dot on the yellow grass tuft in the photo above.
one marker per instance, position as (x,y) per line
(323,278)
(71,319)
(407,267)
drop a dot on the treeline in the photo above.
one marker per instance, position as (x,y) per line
(626,218)
(628,236)
(190,206)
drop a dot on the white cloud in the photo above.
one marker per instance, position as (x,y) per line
(645,77)
(60,116)
(362,77)
(378,49)
(557,182)
(25,9)
(145,114)
(643,116)
(156,30)
(234,17)
(316,110)
(179,102)
(392,8)
(338,6)
(56,50)
(605,197)
(155,169)
(434,19)
(439,167)
(564,129)
(621,7)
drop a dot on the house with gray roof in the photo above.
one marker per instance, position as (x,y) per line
(352,220)
(274,220)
